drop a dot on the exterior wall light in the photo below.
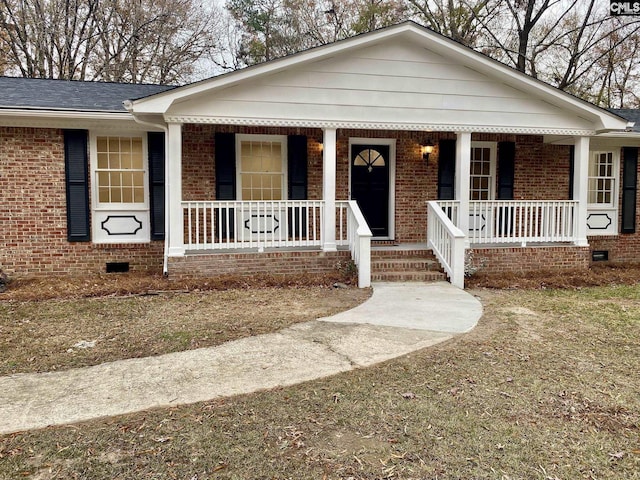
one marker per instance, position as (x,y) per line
(427,149)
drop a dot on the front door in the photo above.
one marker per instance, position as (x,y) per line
(370,185)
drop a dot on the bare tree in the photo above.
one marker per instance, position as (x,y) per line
(48,39)
(273,28)
(156,41)
(462,21)
(573,45)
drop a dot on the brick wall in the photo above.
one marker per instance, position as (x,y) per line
(267,263)
(33,207)
(33,240)
(529,259)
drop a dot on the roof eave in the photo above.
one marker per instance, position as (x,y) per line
(64,114)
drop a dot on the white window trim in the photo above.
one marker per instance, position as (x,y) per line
(100,211)
(493,161)
(262,138)
(599,210)
(391,142)
(615,201)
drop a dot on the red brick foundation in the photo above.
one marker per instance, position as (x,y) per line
(530,259)
(265,263)
(622,249)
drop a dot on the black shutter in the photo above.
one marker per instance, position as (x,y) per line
(506,169)
(297,173)
(297,166)
(225,161)
(629,189)
(572,164)
(225,166)
(446,169)
(77,185)
(155,145)
(506,173)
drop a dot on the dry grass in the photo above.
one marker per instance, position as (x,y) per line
(545,388)
(597,275)
(123,284)
(127,316)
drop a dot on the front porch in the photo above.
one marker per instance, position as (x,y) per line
(383,123)
(259,237)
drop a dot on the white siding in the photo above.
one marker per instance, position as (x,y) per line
(396,82)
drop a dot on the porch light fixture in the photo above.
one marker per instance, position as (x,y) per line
(427,149)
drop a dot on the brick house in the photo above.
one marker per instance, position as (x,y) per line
(396,139)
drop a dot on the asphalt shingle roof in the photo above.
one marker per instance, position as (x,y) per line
(630,114)
(45,94)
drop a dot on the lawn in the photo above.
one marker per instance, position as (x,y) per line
(71,322)
(546,387)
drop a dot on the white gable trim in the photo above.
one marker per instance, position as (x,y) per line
(429,127)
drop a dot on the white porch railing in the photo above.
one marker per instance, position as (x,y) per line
(352,230)
(518,221)
(228,225)
(447,242)
(223,225)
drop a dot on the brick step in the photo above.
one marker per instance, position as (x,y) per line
(404,264)
(379,254)
(424,276)
(414,265)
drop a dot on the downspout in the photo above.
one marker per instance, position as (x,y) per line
(128,104)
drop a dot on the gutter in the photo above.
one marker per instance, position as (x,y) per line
(65,114)
(128,104)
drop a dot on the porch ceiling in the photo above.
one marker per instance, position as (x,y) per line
(403,77)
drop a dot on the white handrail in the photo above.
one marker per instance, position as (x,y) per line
(447,242)
(358,237)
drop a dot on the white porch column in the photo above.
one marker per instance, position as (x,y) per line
(580,188)
(174,190)
(463,172)
(329,189)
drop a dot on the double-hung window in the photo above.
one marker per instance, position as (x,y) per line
(261,167)
(120,170)
(482,181)
(602,179)
(120,191)
(483,171)
(261,177)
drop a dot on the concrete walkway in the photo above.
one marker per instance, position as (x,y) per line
(399,318)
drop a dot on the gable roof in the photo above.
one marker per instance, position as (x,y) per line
(48,94)
(598,119)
